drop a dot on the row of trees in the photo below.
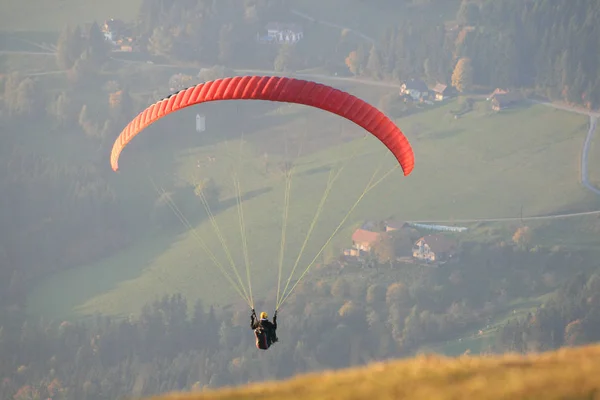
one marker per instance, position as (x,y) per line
(570,318)
(548,46)
(331,321)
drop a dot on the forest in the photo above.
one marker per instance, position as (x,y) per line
(334,320)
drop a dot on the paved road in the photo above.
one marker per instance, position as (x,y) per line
(584,156)
(586,144)
(509,219)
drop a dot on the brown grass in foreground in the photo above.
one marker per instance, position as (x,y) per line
(570,373)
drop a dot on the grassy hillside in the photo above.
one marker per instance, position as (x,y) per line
(570,373)
(481,165)
(52,16)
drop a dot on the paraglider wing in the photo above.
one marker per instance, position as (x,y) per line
(279,89)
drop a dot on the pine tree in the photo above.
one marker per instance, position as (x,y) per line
(353,63)
(374,63)
(462,77)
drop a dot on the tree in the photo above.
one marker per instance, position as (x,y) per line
(375,294)
(11,87)
(384,249)
(353,63)
(62,109)
(96,44)
(121,105)
(468,13)
(575,334)
(82,72)
(226,44)
(462,77)
(89,128)
(27,99)
(522,236)
(285,58)
(352,314)
(340,288)
(396,293)
(374,66)
(161,42)
(69,47)
(216,72)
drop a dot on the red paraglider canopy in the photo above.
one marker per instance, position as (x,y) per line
(279,89)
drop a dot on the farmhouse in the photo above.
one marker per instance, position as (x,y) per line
(283,33)
(113,30)
(505,100)
(495,93)
(434,248)
(364,240)
(440,91)
(415,88)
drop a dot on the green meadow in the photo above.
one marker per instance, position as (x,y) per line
(481,165)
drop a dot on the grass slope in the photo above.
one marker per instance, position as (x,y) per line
(481,165)
(52,16)
(567,373)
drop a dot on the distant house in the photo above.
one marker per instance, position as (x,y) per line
(505,100)
(441,91)
(495,93)
(365,240)
(283,33)
(434,248)
(415,88)
(113,30)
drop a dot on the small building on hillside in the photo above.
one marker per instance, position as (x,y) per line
(365,240)
(505,100)
(495,93)
(113,30)
(282,33)
(441,91)
(434,248)
(415,88)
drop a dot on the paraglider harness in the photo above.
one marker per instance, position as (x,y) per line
(264,337)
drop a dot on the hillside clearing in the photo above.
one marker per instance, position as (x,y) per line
(480,165)
(52,16)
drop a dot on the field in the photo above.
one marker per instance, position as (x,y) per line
(564,374)
(53,15)
(481,165)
